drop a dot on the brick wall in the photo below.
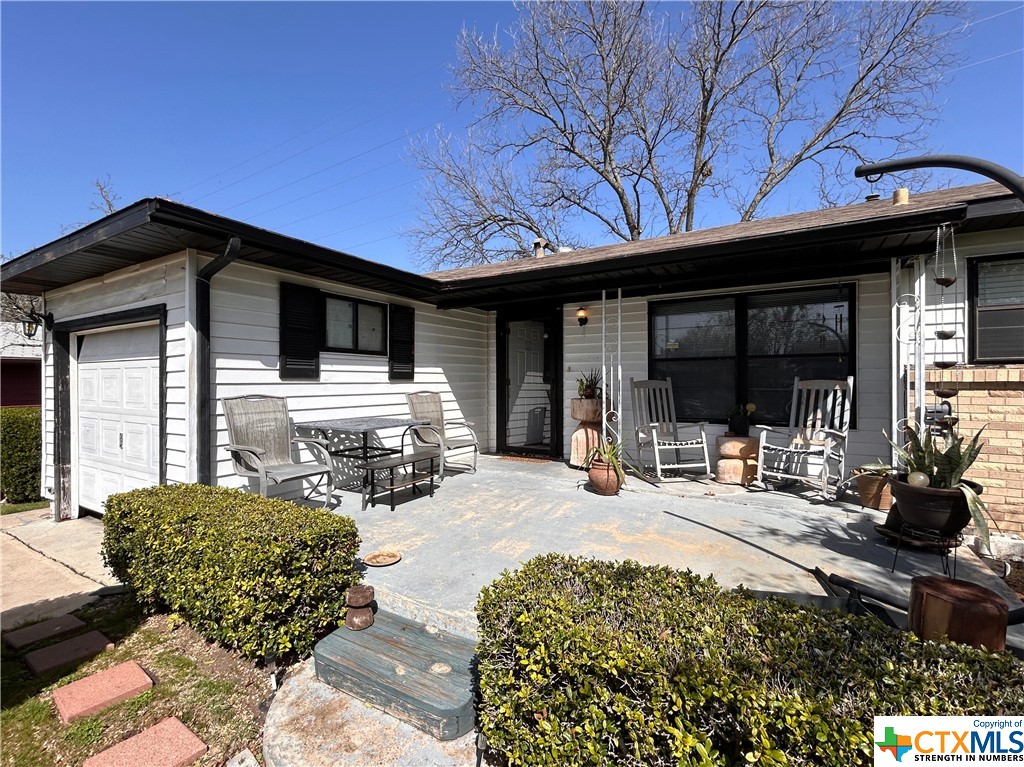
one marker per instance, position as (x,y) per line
(992,396)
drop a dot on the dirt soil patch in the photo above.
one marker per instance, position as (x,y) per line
(1015,580)
(217,693)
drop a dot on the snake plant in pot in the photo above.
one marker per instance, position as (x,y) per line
(931,492)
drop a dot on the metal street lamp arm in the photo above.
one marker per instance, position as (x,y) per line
(1012,181)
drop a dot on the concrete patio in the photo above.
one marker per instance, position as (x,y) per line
(478,525)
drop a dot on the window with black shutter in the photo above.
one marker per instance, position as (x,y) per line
(997,303)
(301,332)
(401,344)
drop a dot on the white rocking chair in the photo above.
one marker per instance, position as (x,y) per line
(814,451)
(655,427)
(261,444)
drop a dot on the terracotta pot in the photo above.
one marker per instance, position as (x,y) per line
(874,491)
(603,478)
(932,508)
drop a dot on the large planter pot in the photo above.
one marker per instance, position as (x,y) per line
(942,509)
(604,480)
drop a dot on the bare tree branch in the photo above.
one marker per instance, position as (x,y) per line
(616,114)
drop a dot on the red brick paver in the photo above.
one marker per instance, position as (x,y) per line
(65,653)
(166,744)
(102,689)
(53,627)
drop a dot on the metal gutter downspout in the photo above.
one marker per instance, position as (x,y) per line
(204,417)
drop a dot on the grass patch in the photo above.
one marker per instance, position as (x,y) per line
(14,508)
(215,692)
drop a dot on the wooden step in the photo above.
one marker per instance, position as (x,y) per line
(419,675)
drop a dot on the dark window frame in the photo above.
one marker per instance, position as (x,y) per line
(973,309)
(741,356)
(356,303)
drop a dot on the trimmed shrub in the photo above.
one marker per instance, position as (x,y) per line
(20,453)
(586,662)
(263,576)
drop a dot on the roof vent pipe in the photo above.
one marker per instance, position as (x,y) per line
(901,196)
(540,247)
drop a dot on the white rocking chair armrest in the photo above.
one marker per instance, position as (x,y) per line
(765,429)
(257,452)
(833,434)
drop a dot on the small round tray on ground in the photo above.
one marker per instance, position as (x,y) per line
(381,558)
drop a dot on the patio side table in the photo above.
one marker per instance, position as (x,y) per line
(737,460)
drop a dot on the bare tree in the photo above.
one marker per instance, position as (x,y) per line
(108,198)
(614,114)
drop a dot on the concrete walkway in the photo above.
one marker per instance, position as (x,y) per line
(49,568)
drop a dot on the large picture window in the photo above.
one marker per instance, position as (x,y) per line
(997,304)
(748,348)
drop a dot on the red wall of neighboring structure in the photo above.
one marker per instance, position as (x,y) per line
(20,382)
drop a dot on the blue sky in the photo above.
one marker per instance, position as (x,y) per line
(296,116)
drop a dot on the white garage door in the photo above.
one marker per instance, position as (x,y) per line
(118,413)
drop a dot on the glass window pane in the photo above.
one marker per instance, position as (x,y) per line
(770,383)
(339,324)
(1001,283)
(371,328)
(808,322)
(702,389)
(695,329)
(1001,334)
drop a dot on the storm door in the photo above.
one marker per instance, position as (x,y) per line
(529,405)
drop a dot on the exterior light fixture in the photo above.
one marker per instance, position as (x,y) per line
(31,322)
(581,316)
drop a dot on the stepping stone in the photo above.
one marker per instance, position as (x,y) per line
(74,650)
(102,689)
(37,632)
(415,673)
(168,743)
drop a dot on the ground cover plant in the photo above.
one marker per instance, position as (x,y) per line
(215,692)
(588,662)
(263,576)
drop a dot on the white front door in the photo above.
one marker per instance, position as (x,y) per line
(118,413)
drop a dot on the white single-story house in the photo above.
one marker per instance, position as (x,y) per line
(155,319)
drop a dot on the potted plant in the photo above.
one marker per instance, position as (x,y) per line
(605,472)
(589,385)
(739,419)
(873,485)
(932,492)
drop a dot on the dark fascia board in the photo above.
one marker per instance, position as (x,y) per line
(823,236)
(104,229)
(192,219)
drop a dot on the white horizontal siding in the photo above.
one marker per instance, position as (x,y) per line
(161,281)
(451,358)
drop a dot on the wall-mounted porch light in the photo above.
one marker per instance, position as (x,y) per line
(581,316)
(31,322)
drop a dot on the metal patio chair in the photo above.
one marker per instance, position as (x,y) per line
(813,449)
(656,429)
(426,405)
(259,432)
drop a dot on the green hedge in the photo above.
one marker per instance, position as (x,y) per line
(20,453)
(260,575)
(598,663)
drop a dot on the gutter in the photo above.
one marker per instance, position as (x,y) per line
(204,416)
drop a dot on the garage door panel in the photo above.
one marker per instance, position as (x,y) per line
(138,388)
(137,443)
(118,413)
(110,388)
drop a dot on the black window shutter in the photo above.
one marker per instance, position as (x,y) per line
(401,343)
(300,332)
